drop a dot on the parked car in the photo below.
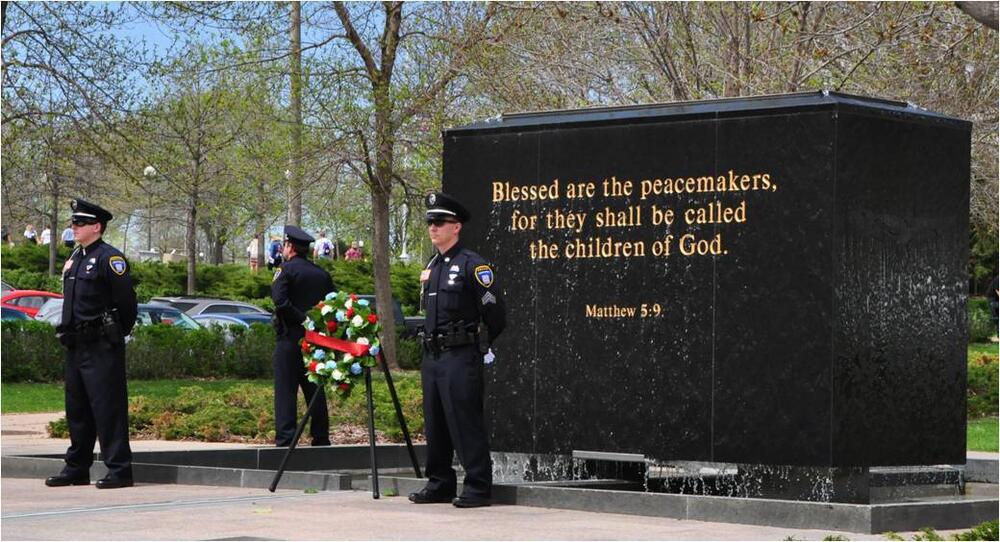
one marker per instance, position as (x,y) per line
(233,319)
(149,313)
(27,301)
(12,314)
(5,288)
(412,324)
(193,306)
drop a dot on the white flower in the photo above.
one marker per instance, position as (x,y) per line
(320,367)
(347,357)
(357,321)
(337,375)
(308,324)
(327,309)
(362,340)
(349,303)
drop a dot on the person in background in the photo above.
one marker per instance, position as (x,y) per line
(30,234)
(253,253)
(46,236)
(274,256)
(353,253)
(67,237)
(323,248)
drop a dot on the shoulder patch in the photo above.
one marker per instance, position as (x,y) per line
(276,273)
(484,276)
(118,265)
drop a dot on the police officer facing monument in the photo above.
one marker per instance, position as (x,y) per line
(99,311)
(465,313)
(298,285)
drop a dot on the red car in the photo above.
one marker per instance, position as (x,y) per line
(27,301)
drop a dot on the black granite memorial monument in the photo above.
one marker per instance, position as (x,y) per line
(776,280)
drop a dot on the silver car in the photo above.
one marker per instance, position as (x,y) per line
(195,306)
(149,313)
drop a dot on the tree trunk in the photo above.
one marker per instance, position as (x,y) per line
(55,237)
(295,180)
(381,188)
(192,250)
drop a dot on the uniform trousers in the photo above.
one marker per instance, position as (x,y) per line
(289,375)
(453,421)
(97,408)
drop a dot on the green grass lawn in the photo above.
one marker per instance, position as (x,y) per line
(984,348)
(983,435)
(49,397)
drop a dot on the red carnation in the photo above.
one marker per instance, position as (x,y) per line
(331,326)
(354,297)
(350,312)
(305,346)
(312,366)
(372,318)
(344,386)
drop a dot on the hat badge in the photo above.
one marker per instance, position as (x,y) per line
(431,199)
(72,204)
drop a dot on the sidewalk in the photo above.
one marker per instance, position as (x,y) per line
(31,511)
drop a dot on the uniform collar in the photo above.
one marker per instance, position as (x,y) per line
(453,251)
(92,246)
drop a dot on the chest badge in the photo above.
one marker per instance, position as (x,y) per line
(484,276)
(455,269)
(118,265)
(424,275)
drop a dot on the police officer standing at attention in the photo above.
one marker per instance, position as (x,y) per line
(298,285)
(465,313)
(99,310)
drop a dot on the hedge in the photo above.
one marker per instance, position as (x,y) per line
(31,352)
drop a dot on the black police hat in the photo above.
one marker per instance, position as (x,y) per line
(84,210)
(443,206)
(297,236)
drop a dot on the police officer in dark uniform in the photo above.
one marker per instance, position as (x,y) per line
(99,310)
(465,313)
(298,285)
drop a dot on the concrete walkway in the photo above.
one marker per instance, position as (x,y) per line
(31,511)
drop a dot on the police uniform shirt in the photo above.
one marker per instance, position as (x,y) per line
(461,286)
(96,279)
(297,286)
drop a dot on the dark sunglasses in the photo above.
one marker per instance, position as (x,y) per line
(83,222)
(440,222)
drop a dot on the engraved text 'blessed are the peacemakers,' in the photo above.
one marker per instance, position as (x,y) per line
(619,207)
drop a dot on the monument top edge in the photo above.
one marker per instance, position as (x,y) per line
(816,100)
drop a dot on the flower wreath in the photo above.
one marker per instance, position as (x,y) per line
(341,340)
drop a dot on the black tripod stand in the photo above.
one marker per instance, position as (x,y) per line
(371,429)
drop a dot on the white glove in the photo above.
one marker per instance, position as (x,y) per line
(488,357)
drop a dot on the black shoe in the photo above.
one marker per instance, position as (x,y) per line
(63,479)
(321,443)
(114,482)
(426,497)
(470,502)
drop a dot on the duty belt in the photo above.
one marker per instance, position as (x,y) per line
(441,340)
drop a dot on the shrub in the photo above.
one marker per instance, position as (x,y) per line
(983,386)
(409,353)
(23,279)
(246,412)
(31,352)
(981,325)
(32,258)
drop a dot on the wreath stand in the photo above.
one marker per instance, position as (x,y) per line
(354,349)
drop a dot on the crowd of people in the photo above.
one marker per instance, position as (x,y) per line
(323,249)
